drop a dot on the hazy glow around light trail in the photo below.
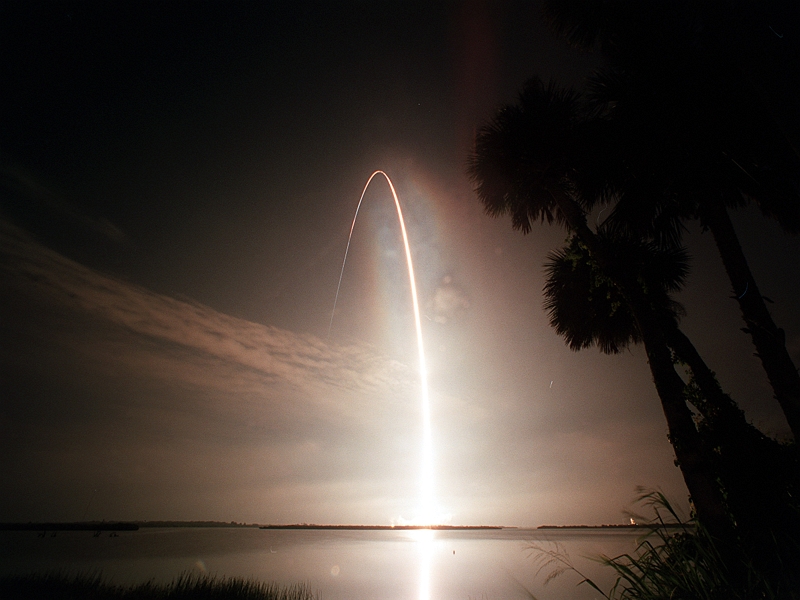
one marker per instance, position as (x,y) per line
(426,512)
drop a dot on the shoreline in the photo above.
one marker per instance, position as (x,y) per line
(387,527)
(136,525)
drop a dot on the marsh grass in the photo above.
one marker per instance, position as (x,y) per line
(675,560)
(63,586)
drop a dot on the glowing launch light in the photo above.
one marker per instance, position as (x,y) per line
(426,510)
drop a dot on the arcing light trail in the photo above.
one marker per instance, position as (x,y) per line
(426,513)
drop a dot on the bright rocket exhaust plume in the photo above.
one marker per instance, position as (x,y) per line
(425,514)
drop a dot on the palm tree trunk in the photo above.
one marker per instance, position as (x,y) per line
(718,404)
(769,340)
(756,472)
(692,457)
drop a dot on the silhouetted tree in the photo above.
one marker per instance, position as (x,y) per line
(683,131)
(758,476)
(524,165)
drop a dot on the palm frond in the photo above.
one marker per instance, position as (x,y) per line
(584,306)
(587,306)
(522,159)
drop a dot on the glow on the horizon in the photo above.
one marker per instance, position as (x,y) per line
(426,510)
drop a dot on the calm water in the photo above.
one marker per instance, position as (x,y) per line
(353,565)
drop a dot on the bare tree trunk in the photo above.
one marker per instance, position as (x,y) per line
(767,337)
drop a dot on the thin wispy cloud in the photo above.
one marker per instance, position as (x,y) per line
(174,403)
(300,360)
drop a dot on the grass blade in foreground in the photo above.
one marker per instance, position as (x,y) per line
(676,565)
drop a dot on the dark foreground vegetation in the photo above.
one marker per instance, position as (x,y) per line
(60,586)
(678,560)
(692,115)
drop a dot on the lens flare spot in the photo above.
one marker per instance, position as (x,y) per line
(335,570)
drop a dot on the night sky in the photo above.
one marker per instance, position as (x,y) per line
(177,184)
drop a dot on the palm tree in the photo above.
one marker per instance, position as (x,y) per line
(587,308)
(523,165)
(659,188)
(686,135)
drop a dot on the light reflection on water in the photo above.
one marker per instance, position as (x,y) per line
(424,539)
(381,565)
